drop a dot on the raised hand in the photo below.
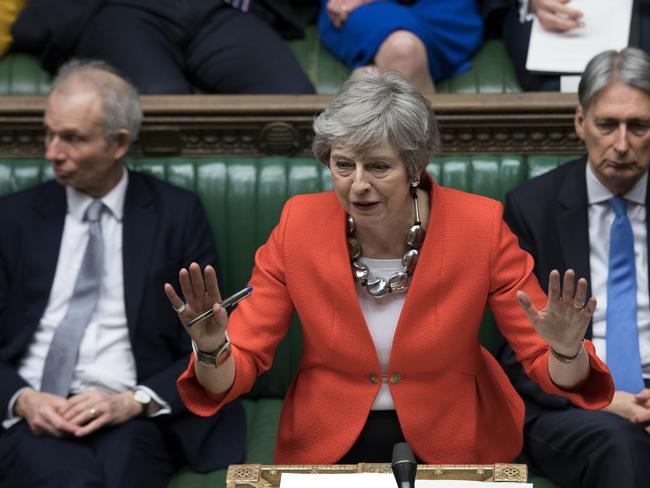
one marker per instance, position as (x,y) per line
(564,320)
(200,293)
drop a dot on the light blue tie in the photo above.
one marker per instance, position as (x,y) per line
(62,356)
(243,5)
(623,356)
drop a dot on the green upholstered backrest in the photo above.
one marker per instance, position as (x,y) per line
(491,72)
(21,74)
(243,198)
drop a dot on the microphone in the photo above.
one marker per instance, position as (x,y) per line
(404,465)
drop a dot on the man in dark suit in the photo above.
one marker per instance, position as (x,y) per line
(591,215)
(117,419)
(167,46)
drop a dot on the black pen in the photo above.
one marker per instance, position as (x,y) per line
(228,302)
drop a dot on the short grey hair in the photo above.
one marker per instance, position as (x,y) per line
(118,96)
(630,66)
(374,109)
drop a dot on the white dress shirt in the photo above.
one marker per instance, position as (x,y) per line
(601,217)
(105,359)
(382,316)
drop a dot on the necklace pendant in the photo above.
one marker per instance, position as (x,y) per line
(350,225)
(354,248)
(415,237)
(399,282)
(378,287)
(360,271)
(410,260)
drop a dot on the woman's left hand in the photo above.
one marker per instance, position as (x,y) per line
(564,320)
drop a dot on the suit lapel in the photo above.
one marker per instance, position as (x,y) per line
(572,222)
(138,236)
(342,289)
(42,242)
(647,203)
(425,284)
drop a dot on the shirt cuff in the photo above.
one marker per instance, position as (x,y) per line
(11,418)
(164,409)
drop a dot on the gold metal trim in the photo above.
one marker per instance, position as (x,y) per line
(269,476)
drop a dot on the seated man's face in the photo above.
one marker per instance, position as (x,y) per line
(75,143)
(616,131)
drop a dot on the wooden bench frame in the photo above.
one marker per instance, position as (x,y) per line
(255,125)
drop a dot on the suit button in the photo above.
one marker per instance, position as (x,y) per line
(395,378)
(373,378)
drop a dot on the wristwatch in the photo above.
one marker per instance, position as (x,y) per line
(144,399)
(216,358)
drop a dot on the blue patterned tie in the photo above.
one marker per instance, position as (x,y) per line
(62,355)
(623,356)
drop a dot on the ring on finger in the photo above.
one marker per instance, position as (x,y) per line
(578,307)
(344,8)
(181,308)
(92,412)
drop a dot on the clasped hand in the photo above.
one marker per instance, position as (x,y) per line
(79,415)
(566,316)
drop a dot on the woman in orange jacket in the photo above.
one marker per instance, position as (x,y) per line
(390,274)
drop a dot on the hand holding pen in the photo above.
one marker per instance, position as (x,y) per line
(228,302)
(202,303)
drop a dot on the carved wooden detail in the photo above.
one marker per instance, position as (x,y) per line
(269,476)
(256,125)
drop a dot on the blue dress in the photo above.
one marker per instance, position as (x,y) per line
(451,31)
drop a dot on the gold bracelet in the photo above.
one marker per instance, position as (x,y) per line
(568,359)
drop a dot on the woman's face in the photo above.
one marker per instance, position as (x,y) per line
(374,188)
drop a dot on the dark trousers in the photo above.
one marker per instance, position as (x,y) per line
(376,440)
(516,36)
(584,448)
(129,455)
(167,46)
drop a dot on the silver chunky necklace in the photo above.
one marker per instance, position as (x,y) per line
(398,282)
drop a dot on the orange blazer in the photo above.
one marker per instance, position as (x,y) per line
(454,402)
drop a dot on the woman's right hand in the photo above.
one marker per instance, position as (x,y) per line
(200,292)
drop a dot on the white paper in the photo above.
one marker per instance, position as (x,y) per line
(607,26)
(569,83)
(379,480)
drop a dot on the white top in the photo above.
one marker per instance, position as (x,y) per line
(382,316)
(601,217)
(105,360)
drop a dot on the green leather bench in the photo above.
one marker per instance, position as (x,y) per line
(492,72)
(243,198)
